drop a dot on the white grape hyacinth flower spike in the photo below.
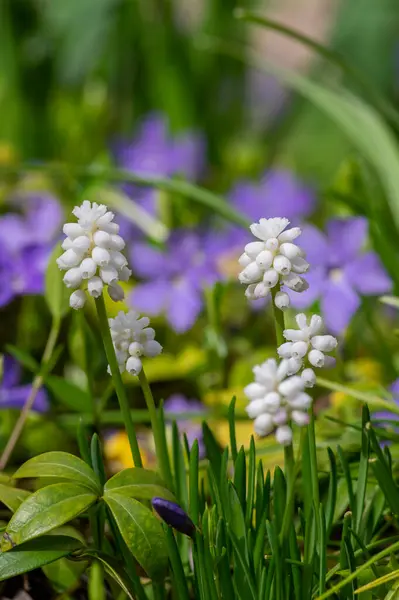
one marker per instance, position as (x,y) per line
(132,339)
(308,344)
(276,400)
(273,262)
(92,255)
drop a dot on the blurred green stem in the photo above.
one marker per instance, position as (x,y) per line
(36,385)
(116,376)
(159,437)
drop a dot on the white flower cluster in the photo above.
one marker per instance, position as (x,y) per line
(272,261)
(277,399)
(307,343)
(93,254)
(132,339)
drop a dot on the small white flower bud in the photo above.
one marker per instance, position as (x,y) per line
(117,259)
(121,357)
(272,401)
(309,377)
(264,259)
(284,435)
(324,343)
(135,349)
(301,401)
(300,417)
(299,265)
(253,249)
(291,386)
(289,250)
(95,287)
(255,408)
(294,364)
(88,268)
(133,365)
(281,417)
(73,230)
(147,334)
(116,292)
(250,291)
(73,278)
(316,324)
(244,260)
(295,282)
(282,265)
(250,274)
(263,425)
(289,235)
(100,256)
(105,219)
(282,300)
(254,390)
(272,244)
(152,348)
(261,290)
(124,274)
(285,350)
(67,244)
(77,300)
(109,274)
(81,244)
(295,335)
(270,278)
(116,242)
(299,349)
(316,358)
(101,239)
(69,259)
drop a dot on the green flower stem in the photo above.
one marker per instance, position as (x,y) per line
(159,438)
(289,461)
(116,376)
(36,385)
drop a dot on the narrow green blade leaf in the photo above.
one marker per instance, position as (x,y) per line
(35,554)
(193,483)
(251,482)
(45,510)
(12,497)
(69,394)
(61,465)
(363,470)
(240,476)
(243,564)
(332,493)
(138,483)
(348,479)
(56,293)
(142,533)
(232,429)
(25,359)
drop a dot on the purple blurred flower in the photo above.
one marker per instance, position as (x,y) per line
(174,278)
(13,395)
(177,403)
(384,414)
(278,194)
(340,272)
(174,515)
(25,245)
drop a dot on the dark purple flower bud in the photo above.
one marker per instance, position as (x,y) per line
(174,515)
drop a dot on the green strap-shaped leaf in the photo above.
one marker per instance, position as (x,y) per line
(45,510)
(56,293)
(138,483)
(62,465)
(35,554)
(142,533)
(69,394)
(12,497)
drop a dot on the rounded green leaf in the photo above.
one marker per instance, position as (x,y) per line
(142,532)
(138,483)
(56,293)
(44,510)
(12,497)
(35,554)
(62,465)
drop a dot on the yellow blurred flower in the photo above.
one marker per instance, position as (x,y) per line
(118,455)
(365,369)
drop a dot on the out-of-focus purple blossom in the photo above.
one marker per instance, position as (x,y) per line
(278,194)
(174,516)
(177,403)
(154,152)
(385,414)
(13,395)
(174,278)
(25,245)
(339,271)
